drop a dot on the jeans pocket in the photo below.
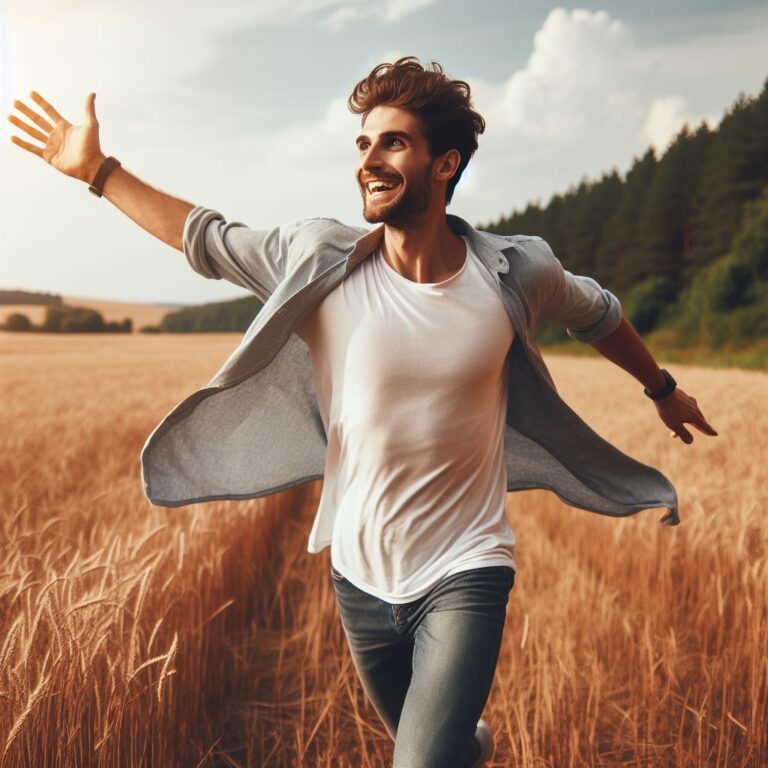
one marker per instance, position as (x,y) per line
(335,575)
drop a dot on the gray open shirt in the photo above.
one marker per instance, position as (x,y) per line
(255,429)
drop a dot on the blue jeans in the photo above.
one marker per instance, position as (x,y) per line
(427,666)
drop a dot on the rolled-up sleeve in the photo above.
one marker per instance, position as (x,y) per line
(579,303)
(251,258)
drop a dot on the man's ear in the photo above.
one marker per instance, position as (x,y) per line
(447,164)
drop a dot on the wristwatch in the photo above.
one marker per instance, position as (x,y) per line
(109,165)
(667,389)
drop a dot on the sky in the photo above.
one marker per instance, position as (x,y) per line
(241,107)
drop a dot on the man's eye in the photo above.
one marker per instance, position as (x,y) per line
(364,145)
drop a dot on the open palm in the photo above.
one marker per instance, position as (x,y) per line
(72,149)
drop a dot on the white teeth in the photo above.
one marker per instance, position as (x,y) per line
(378,186)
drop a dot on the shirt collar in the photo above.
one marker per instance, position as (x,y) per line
(489,247)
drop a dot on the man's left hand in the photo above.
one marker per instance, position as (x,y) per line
(678,409)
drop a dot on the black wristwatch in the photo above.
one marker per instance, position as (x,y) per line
(667,389)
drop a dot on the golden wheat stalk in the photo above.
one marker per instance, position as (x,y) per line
(152,635)
(165,672)
(11,641)
(148,662)
(146,538)
(133,641)
(33,699)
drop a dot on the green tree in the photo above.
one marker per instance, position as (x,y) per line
(53,317)
(735,172)
(645,305)
(619,255)
(663,235)
(81,320)
(17,321)
(727,301)
(226,316)
(72,320)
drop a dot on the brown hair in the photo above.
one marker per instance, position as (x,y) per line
(442,105)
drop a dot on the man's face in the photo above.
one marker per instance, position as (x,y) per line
(393,151)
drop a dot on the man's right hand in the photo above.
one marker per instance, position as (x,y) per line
(75,151)
(72,149)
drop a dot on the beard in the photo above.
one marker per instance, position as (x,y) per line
(406,205)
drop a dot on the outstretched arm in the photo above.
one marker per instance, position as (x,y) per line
(74,150)
(625,348)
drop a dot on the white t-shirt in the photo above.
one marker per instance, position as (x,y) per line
(415,481)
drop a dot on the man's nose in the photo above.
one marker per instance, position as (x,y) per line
(371,159)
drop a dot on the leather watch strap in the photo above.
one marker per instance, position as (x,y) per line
(97,185)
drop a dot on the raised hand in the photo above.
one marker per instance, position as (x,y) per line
(72,149)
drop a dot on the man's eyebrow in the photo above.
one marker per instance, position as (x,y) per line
(387,135)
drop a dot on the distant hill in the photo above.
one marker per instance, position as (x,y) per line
(234,315)
(112,311)
(16,296)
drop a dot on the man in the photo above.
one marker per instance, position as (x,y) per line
(397,364)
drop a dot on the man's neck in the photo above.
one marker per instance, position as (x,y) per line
(426,251)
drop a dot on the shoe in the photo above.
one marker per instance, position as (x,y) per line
(484,738)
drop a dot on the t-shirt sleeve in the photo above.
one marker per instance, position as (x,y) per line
(218,249)
(579,303)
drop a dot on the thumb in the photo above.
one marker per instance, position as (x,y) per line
(90,107)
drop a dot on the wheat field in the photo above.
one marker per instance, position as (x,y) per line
(132,635)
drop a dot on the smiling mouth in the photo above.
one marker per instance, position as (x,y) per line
(380,188)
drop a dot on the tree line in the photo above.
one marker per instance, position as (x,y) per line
(222,316)
(65,319)
(17,296)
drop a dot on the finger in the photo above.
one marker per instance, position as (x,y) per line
(46,106)
(90,107)
(697,420)
(41,121)
(33,132)
(31,147)
(684,434)
(708,426)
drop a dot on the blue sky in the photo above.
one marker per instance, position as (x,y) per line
(242,108)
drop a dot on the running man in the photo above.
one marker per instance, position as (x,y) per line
(397,364)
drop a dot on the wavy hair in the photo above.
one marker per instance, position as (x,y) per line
(442,105)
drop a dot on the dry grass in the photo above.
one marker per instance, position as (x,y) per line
(132,635)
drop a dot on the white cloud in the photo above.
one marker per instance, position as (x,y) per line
(580,77)
(226,15)
(589,98)
(340,17)
(386,12)
(397,9)
(665,119)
